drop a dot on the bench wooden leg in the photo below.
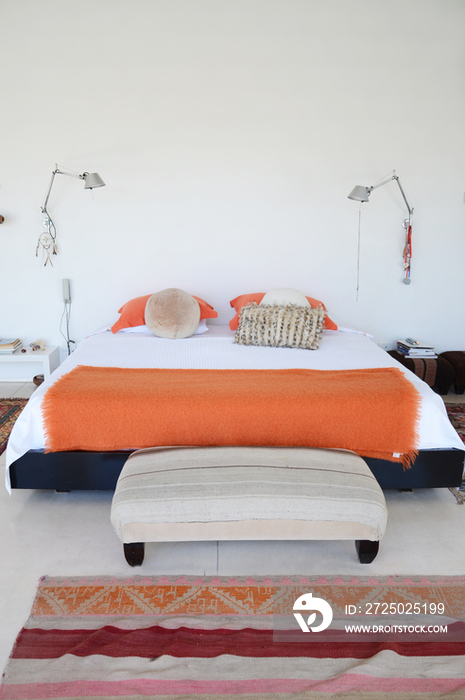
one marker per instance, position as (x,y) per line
(366,550)
(134,553)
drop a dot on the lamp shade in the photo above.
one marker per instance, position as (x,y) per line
(92,180)
(359,193)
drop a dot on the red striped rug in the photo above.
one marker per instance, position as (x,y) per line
(181,638)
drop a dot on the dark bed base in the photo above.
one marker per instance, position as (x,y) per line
(67,471)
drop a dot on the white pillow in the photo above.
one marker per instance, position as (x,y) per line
(284,297)
(202,327)
(145,330)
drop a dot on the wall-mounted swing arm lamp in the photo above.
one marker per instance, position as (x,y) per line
(47,238)
(361,194)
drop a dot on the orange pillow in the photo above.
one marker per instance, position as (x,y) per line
(133,312)
(206,310)
(245,299)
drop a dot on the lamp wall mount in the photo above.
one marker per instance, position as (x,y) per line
(47,239)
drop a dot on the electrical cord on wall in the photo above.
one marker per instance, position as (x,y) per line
(66,315)
(358,249)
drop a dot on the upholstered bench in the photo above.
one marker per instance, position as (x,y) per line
(456,358)
(247,493)
(437,372)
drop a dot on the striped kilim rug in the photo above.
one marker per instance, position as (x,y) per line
(180,638)
(9,411)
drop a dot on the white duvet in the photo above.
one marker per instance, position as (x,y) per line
(216,350)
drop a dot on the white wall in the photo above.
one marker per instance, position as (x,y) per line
(229,133)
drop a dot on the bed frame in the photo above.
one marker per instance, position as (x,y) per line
(67,471)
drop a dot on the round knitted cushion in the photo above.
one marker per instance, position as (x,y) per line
(172,313)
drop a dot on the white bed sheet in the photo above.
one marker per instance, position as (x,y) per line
(216,350)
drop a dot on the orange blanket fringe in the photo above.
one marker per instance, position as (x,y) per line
(373,412)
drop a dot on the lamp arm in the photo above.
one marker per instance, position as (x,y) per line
(384,181)
(70,174)
(57,171)
(44,205)
(390,179)
(410,209)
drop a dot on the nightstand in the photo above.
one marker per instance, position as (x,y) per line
(22,366)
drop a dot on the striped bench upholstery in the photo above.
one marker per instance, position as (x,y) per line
(170,494)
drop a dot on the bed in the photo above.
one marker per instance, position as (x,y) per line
(29,465)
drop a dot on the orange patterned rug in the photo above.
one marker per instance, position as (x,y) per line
(180,637)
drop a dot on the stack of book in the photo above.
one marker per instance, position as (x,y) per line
(413,348)
(9,345)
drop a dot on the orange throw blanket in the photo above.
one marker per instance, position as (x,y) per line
(372,412)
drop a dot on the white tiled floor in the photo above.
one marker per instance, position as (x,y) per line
(16,390)
(70,534)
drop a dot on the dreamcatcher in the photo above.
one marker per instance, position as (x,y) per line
(47,239)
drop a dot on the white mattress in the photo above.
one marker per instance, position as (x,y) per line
(216,350)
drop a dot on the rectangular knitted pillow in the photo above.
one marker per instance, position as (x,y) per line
(288,326)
